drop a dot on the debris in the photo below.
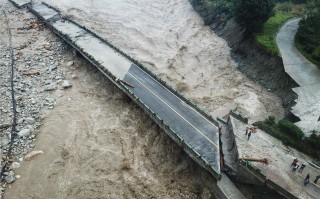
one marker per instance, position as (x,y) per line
(262,160)
(126,83)
(70,63)
(4,126)
(66,84)
(22,46)
(53,67)
(38,25)
(29,120)
(24,132)
(31,73)
(32,155)
(15,165)
(48,46)
(10,177)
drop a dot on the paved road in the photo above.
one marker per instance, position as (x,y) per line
(305,73)
(195,129)
(296,65)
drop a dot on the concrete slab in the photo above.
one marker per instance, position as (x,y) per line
(114,62)
(20,3)
(44,11)
(229,190)
(308,107)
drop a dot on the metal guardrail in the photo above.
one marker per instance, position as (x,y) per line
(174,135)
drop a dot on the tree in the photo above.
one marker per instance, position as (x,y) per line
(253,13)
(308,35)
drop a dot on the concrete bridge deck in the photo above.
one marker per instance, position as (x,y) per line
(196,133)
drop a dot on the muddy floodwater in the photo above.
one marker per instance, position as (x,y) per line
(99,144)
(170,38)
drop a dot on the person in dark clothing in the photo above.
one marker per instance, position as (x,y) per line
(247,130)
(295,161)
(316,180)
(306,180)
(249,134)
(301,168)
(295,168)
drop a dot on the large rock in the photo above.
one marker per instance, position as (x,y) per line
(70,63)
(30,120)
(24,132)
(15,165)
(10,177)
(66,84)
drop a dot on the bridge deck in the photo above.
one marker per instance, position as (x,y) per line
(190,129)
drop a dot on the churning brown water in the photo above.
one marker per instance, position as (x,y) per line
(99,145)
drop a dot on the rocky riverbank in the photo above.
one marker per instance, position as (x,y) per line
(38,57)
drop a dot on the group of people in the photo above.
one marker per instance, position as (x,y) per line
(295,166)
(250,130)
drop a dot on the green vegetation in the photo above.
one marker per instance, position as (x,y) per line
(213,10)
(267,38)
(308,37)
(292,136)
(282,12)
(253,13)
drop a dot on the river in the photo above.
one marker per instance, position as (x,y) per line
(97,144)
(169,38)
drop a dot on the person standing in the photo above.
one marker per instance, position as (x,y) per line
(247,130)
(295,161)
(295,168)
(301,168)
(306,180)
(249,134)
(316,180)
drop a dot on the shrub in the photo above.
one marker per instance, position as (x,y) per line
(253,13)
(290,129)
(285,7)
(308,37)
(271,120)
(309,146)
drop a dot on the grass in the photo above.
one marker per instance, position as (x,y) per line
(282,12)
(267,38)
(307,55)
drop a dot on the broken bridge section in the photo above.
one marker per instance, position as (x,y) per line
(193,130)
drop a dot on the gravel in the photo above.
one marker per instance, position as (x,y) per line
(36,76)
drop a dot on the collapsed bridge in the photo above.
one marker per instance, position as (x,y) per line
(190,127)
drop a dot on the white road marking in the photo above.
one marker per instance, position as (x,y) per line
(174,110)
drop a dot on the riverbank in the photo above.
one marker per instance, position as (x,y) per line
(258,65)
